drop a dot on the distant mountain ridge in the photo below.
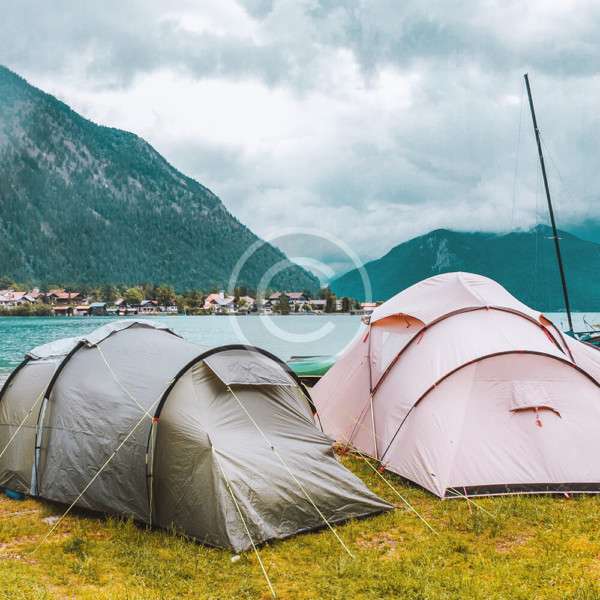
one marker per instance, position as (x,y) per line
(523,261)
(84,203)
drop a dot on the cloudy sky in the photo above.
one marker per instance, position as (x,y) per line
(371,121)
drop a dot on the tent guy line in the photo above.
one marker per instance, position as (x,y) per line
(283,462)
(118,382)
(239,511)
(190,388)
(96,475)
(359,423)
(22,423)
(453,405)
(406,502)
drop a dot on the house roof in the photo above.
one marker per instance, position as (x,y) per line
(290,295)
(97,304)
(66,295)
(12,296)
(225,301)
(218,299)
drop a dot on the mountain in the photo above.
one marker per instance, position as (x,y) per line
(524,262)
(587,230)
(82,203)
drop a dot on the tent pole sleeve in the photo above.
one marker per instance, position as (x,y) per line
(91,481)
(476,360)
(150,469)
(21,424)
(452,314)
(373,427)
(39,432)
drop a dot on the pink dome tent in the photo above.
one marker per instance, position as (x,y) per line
(462,389)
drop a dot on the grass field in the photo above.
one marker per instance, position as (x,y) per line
(528,547)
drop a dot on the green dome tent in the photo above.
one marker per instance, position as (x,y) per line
(219,444)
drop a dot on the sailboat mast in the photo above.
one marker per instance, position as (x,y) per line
(550,209)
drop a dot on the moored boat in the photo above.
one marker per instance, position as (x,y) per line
(310,368)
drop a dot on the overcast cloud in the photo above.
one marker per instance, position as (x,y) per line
(373,121)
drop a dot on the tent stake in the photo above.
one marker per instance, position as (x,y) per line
(471,501)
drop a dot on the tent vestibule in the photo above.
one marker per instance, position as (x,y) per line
(456,385)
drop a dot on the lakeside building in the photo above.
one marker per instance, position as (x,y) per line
(220,304)
(64,302)
(62,297)
(295,298)
(11,298)
(73,303)
(366,308)
(318,305)
(98,309)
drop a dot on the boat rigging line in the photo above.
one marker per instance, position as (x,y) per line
(550,209)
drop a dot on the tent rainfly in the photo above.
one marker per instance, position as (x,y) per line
(219,444)
(462,389)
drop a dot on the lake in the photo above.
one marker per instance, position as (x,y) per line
(284,336)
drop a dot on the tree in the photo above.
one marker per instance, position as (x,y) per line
(345,304)
(165,295)
(6,282)
(283,305)
(133,296)
(109,293)
(330,303)
(193,299)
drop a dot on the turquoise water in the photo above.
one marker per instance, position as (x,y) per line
(283,336)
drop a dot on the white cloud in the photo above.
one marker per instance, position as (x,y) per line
(370,121)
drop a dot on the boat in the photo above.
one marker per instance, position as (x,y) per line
(589,337)
(310,369)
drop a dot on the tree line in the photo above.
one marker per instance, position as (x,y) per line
(188,301)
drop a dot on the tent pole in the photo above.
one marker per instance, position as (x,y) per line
(22,423)
(550,209)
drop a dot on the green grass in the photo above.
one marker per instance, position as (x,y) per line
(532,547)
